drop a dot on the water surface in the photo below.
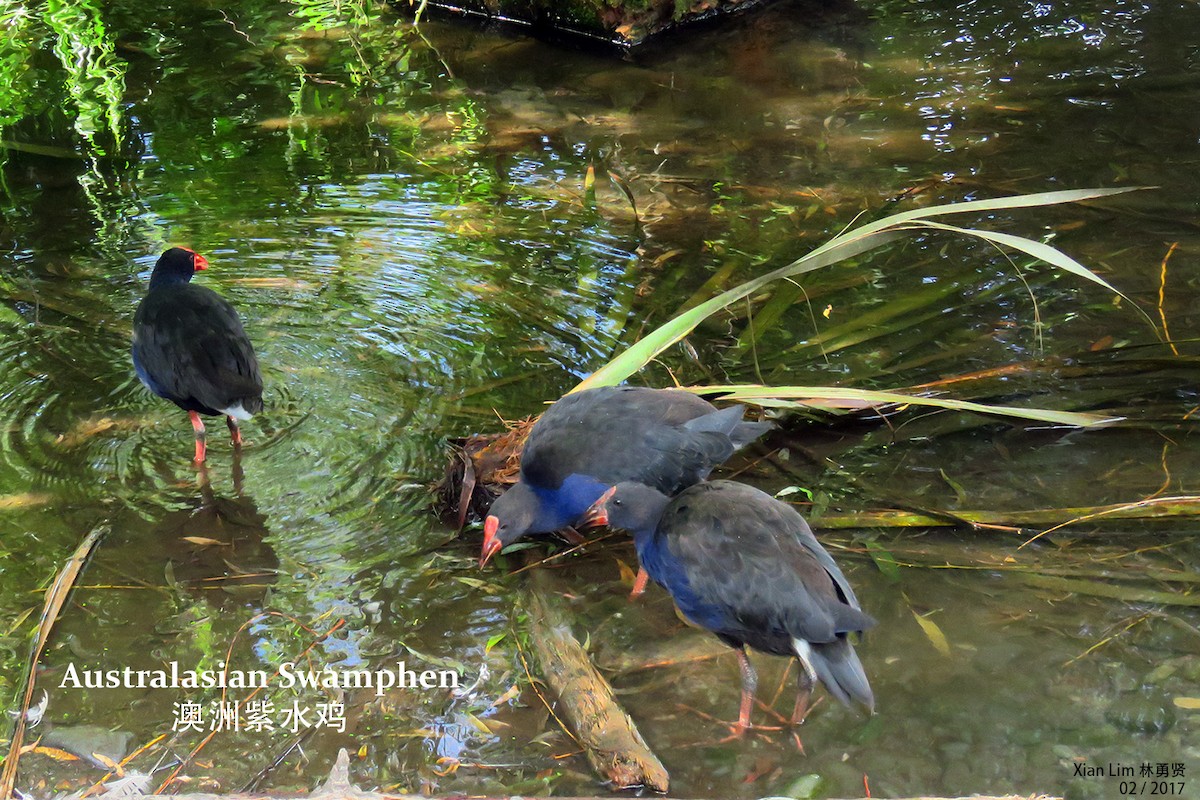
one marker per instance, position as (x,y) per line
(406,222)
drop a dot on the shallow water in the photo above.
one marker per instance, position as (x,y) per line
(404,221)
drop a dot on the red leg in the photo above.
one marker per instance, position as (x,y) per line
(749,684)
(235,433)
(804,687)
(198,427)
(639,584)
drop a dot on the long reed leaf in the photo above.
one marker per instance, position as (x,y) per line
(1039,250)
(649,346)
(843,397)
(849,244)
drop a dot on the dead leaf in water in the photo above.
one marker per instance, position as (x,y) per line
(11,502)
(110,763)
(51,752)
(628,576)
(88,428)
(290,284)
(934,634)
(511,694)
(204,541)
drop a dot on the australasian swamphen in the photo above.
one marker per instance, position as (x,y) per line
(589,441)
(747,567)
(189,347)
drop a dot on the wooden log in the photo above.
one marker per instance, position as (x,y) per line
(614,748)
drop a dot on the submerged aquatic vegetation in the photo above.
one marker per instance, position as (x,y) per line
(852,243)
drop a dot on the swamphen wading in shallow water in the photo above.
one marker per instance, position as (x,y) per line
(592,440)
(189,347)
(747,567)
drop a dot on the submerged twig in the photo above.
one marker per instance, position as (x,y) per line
(1162,290)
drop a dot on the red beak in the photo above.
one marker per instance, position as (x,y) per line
(491,543)
(199,262)
(597,515)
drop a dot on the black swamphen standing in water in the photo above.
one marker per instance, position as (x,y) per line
(747,567)
(189,347)
(589,441)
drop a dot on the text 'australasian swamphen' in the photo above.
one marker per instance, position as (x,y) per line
(589,441)
(189,347)
(747,567)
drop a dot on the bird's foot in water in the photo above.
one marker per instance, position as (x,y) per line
(784,722)
(737,730)
(802,709)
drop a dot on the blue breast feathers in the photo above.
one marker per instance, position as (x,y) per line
(145,378)
(562,506)
(666,570)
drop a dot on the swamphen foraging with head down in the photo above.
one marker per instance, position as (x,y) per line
(592,440)
(747,567)
(189,347)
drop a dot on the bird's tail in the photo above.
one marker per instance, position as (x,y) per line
(837,666)
(728,421)
(244,407)
(747,432)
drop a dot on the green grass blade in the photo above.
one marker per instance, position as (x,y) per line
(847,245)
(649,346)
(997,204)
(1038,250)
(841,397)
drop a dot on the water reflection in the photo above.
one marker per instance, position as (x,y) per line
(219,549)
(408,224)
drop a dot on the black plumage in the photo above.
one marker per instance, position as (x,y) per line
(747,567)
(591,440)
(190,348)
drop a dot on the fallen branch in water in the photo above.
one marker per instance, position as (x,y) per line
(609,737)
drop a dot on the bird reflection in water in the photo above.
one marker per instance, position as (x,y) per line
(219,546)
